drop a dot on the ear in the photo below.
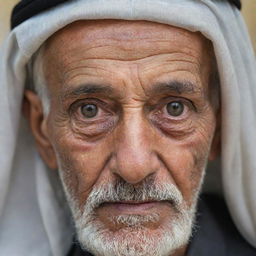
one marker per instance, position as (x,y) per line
(33,112)
(216,142)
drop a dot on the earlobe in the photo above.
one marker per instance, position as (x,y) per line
(33,112)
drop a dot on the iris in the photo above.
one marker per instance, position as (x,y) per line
(89,110)
(175,108)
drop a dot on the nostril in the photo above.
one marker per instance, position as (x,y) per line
(150,178)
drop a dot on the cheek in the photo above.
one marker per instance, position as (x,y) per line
(81,164)
(186,159)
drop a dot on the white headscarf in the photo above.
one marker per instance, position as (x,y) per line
(33,217)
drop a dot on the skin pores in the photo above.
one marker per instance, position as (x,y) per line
(129,101)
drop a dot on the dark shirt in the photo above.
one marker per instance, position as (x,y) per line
(214,233)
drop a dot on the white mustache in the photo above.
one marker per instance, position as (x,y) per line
(121,191)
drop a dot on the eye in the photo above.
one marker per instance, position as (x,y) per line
(89,110)
(175,108)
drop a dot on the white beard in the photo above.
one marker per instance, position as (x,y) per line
(134,239)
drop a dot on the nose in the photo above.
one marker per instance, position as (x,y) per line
(134,158)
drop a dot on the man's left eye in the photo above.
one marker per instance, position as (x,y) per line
(89,110)
(175,108)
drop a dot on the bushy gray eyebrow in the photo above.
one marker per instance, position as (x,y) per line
(89,88)
(176,87)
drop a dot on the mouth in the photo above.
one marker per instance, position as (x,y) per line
(134,207)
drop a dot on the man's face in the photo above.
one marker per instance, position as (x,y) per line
(131,125)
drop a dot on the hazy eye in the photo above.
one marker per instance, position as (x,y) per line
(89,110)
(175,108)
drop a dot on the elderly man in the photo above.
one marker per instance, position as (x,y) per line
(127,101)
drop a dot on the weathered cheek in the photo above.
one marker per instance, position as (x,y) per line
(80,162)
(186,159)
(189,172)
(182,167)
(199,150)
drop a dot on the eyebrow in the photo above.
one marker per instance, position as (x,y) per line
(178,87)
(87,89)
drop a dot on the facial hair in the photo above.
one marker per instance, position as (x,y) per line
(134,239)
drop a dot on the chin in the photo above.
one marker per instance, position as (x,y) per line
(134,237)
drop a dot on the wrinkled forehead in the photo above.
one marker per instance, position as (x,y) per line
(99,47)
(123,30)
(127,39)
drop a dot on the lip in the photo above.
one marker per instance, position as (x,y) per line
(132,207)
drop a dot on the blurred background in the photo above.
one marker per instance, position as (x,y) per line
(249,12)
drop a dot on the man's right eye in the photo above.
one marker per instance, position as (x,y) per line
(89,110)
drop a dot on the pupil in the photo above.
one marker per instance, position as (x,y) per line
(175,108)
(89,110)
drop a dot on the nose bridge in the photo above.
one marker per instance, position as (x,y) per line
(134,152)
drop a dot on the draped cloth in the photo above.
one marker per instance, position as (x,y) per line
(34,219)
(25,9)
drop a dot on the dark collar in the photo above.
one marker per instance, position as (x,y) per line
(207,237)
(216,234)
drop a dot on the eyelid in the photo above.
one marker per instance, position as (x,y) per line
(106,111)
(186,103)
(183,100)
(159,111)
(78,103)
(175,117)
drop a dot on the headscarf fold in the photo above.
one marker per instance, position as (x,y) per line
(25,9)
(34,219)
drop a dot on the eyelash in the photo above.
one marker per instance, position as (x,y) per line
(187,103)
(78,104)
